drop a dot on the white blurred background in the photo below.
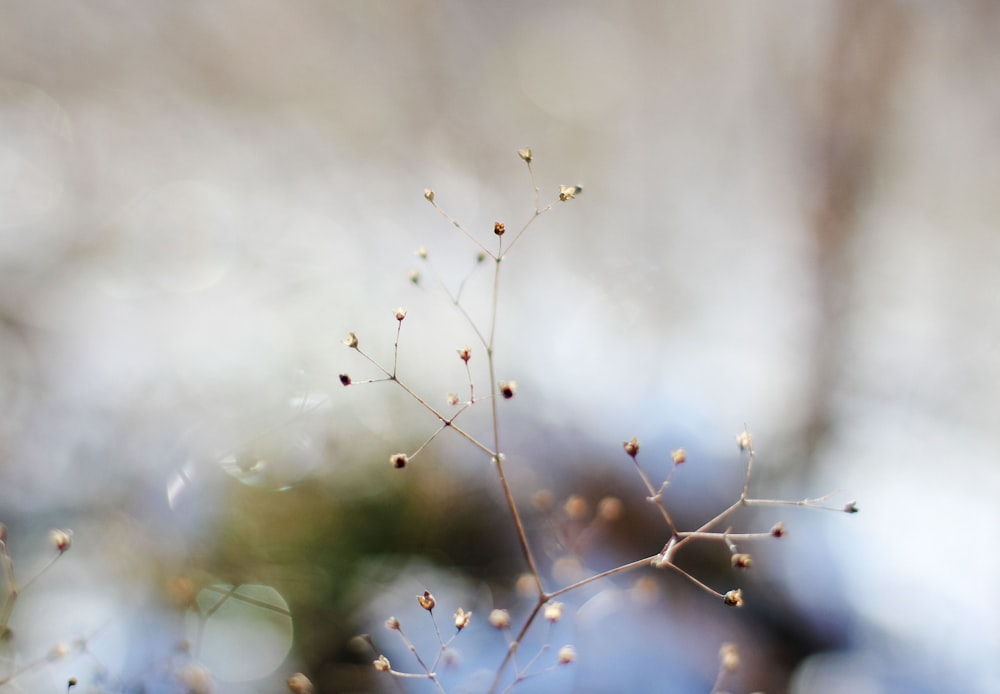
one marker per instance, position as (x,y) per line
(788,219)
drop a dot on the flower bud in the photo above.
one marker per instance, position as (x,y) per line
(400,314)
(498,229)
(851,507)
(508,389)
(632,447)
(525,154)
(741,561)
(569,192)
(566,655)
(553,611)
(392,623)
(299,684)
(609,509)
(733,598)
(744,441)
(729,657)
(426,601)
(462,618)
(351,340)
(62,539)
(429,194)
(678,455)
(576,507)
(382,664)
(465,354)
(399,460)
(499,619)
(345,380)
(452,399)
(778,530)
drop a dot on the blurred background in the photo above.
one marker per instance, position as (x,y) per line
(787,221)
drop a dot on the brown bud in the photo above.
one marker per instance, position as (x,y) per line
(426,601)
(632,447)
(345,379)
(733,598)
(498,229)
(741,561)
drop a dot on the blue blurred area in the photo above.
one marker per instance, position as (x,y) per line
(788,220)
